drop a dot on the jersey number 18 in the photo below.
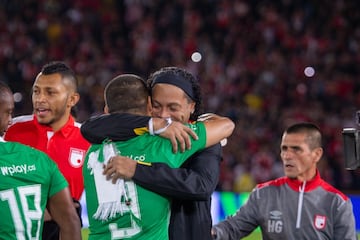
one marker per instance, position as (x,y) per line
(26,211)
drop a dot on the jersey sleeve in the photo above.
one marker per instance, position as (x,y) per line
(242,223)
(196,180)
(115,126)
(344,227)
(176,160)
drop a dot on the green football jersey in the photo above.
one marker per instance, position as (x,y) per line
(145,214)
(28,177)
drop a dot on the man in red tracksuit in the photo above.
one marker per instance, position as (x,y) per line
(53,130)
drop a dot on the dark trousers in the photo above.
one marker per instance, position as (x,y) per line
(51,230)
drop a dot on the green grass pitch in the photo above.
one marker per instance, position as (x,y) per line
(254,236)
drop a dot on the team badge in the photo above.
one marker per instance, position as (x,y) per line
(76,158)
(320,222)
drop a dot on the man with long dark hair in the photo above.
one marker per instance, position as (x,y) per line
(175,93)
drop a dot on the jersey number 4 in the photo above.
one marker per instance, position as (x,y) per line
(26,211)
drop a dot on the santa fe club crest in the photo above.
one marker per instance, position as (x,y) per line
(320,222)
(76,157)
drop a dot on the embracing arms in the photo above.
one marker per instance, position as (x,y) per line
(197,178)
(123,126)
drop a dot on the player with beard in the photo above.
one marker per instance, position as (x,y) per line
(52,129)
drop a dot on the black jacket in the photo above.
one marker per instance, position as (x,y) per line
(190,187)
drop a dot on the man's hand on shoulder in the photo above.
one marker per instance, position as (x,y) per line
(178,133)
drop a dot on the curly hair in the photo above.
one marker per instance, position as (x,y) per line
(181,75)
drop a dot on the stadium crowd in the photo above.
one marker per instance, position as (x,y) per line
(254,56)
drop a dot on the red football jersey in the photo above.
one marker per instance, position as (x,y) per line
(66,147)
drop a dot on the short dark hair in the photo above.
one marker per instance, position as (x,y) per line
(184,75)
(312,131)
(126,93)
(63,69)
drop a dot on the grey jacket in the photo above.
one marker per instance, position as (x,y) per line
(288,209)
